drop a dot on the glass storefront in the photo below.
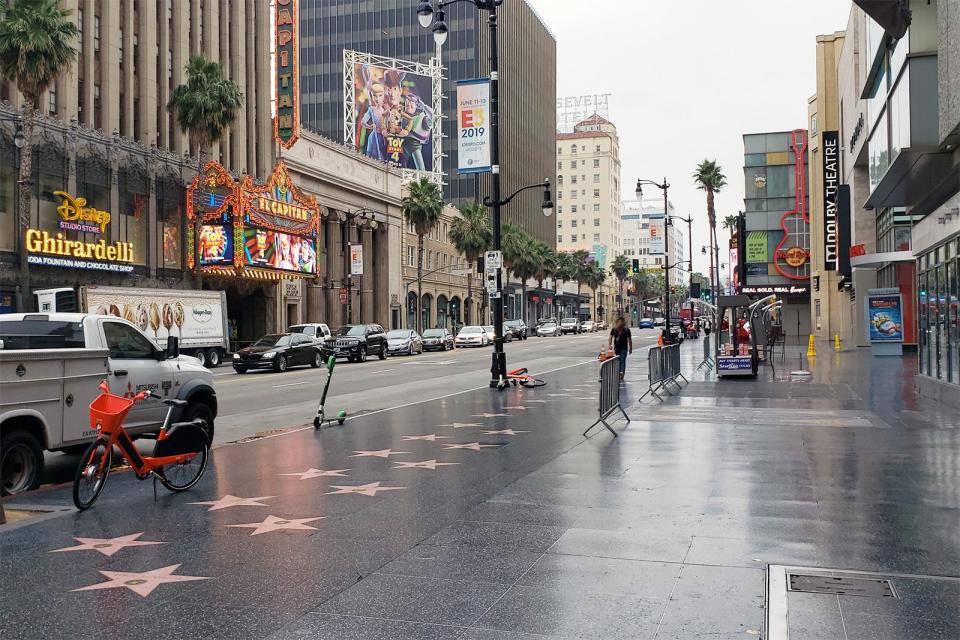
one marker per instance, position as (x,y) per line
(939,289)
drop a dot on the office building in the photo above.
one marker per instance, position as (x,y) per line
(588,190)
(777,243)
(390,28)
(636,220)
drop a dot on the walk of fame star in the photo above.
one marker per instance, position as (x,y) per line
(462,425)
(143,583)
(473,446)
(273,523)
(382,453)
(490,415)
(517,408)
(363,489)
(502,432)
(233,501)
(430,438)
(426,464)
(317,473)
(108,546)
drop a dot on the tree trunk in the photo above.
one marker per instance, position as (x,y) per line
(466,308)
(25,303)
(419,281)
(523,300)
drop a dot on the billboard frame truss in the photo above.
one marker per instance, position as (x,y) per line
(432,70)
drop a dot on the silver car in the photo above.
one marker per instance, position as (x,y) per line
(472,336)
(548,329)
(404,341)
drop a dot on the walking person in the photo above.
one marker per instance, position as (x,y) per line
(622,343)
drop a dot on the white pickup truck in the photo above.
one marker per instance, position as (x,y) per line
(50,366)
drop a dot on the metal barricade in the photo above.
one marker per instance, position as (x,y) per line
(663,368)
(707,355)
(609,394)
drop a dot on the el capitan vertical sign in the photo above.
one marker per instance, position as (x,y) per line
(286,122)
(831,183)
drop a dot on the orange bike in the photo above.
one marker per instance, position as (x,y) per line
(179,457)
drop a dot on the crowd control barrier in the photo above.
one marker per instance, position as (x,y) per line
(707,356)
(609,394)
(663,369)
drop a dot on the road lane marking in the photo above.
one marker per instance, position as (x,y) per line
(291,384)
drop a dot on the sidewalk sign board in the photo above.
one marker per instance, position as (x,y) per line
(884,317)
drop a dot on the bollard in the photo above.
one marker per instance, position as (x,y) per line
(836,342)
(811,348)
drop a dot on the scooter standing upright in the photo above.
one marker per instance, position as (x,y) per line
(320,420)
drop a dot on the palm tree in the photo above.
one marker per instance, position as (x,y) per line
(620,268)
(596,276)
(564,271)
(471,235)
(519,257)
(546,261)
(205,105)
(709,178)
(422,207)
(37,44)
(581,272)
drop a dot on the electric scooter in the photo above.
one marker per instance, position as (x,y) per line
(320,420)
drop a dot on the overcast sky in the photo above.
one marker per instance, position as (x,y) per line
(689,78)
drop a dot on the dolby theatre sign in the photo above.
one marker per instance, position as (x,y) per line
(47,249)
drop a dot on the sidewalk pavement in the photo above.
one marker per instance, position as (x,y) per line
(488,516)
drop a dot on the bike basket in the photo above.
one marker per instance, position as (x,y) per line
(109,411)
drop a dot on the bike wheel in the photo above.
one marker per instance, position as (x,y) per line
(533,382)
(181,476)
(92,473)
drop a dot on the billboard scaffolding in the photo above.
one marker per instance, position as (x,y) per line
(392,112)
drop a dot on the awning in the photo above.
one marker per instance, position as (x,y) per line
(892,15)
(255,274)
(879,259)
(920,177)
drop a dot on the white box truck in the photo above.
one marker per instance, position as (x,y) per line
(197,318)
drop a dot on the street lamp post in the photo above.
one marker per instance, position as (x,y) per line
(665,186)
(18,141)
(425,14)
(363,217)
(689,222)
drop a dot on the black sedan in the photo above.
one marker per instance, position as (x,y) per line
(277,352)
(437,340)
(516,327)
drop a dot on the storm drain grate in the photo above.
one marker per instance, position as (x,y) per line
(846,586)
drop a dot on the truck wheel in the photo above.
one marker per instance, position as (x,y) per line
(201,356)
(200,410)
(213,358)
(21,462)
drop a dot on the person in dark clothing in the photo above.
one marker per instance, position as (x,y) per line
(622,343)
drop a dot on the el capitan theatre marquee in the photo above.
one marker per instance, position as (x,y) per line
(46,249)
(248,230)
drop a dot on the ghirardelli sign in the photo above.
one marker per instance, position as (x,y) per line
(831,182)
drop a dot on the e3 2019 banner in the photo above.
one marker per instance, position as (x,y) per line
(473,125)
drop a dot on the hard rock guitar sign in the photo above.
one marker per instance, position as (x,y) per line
(792,255)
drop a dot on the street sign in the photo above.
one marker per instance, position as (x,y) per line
(493,260)
(343,295)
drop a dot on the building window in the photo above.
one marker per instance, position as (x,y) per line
(560,180)
(573,194)
(573,179)
(559,224)
(52,100)
(598,149)
(596,222)
(596,207)
(596,237)
(170,197)
(559,209)
(96,33)
(573,223)
(573,238)
(596,163)
(573,164)
(573,208)
(596,177)
(596,193)
(560,165)
(573,148)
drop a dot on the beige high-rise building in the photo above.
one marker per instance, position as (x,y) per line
(588,190)
(121,80)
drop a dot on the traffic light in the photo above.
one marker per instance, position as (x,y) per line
(636,265)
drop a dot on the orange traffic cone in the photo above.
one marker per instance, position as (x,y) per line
(660,340)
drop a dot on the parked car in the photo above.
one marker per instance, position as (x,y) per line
(472,336)
(50,366)
(549,329)
(404,341)
(355,342)
(646,323)
(543,320)
(316,330)
(588,326)
(278,351)
(569,325)
(437,339)
(659,321)
(602,325)
(518,328)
